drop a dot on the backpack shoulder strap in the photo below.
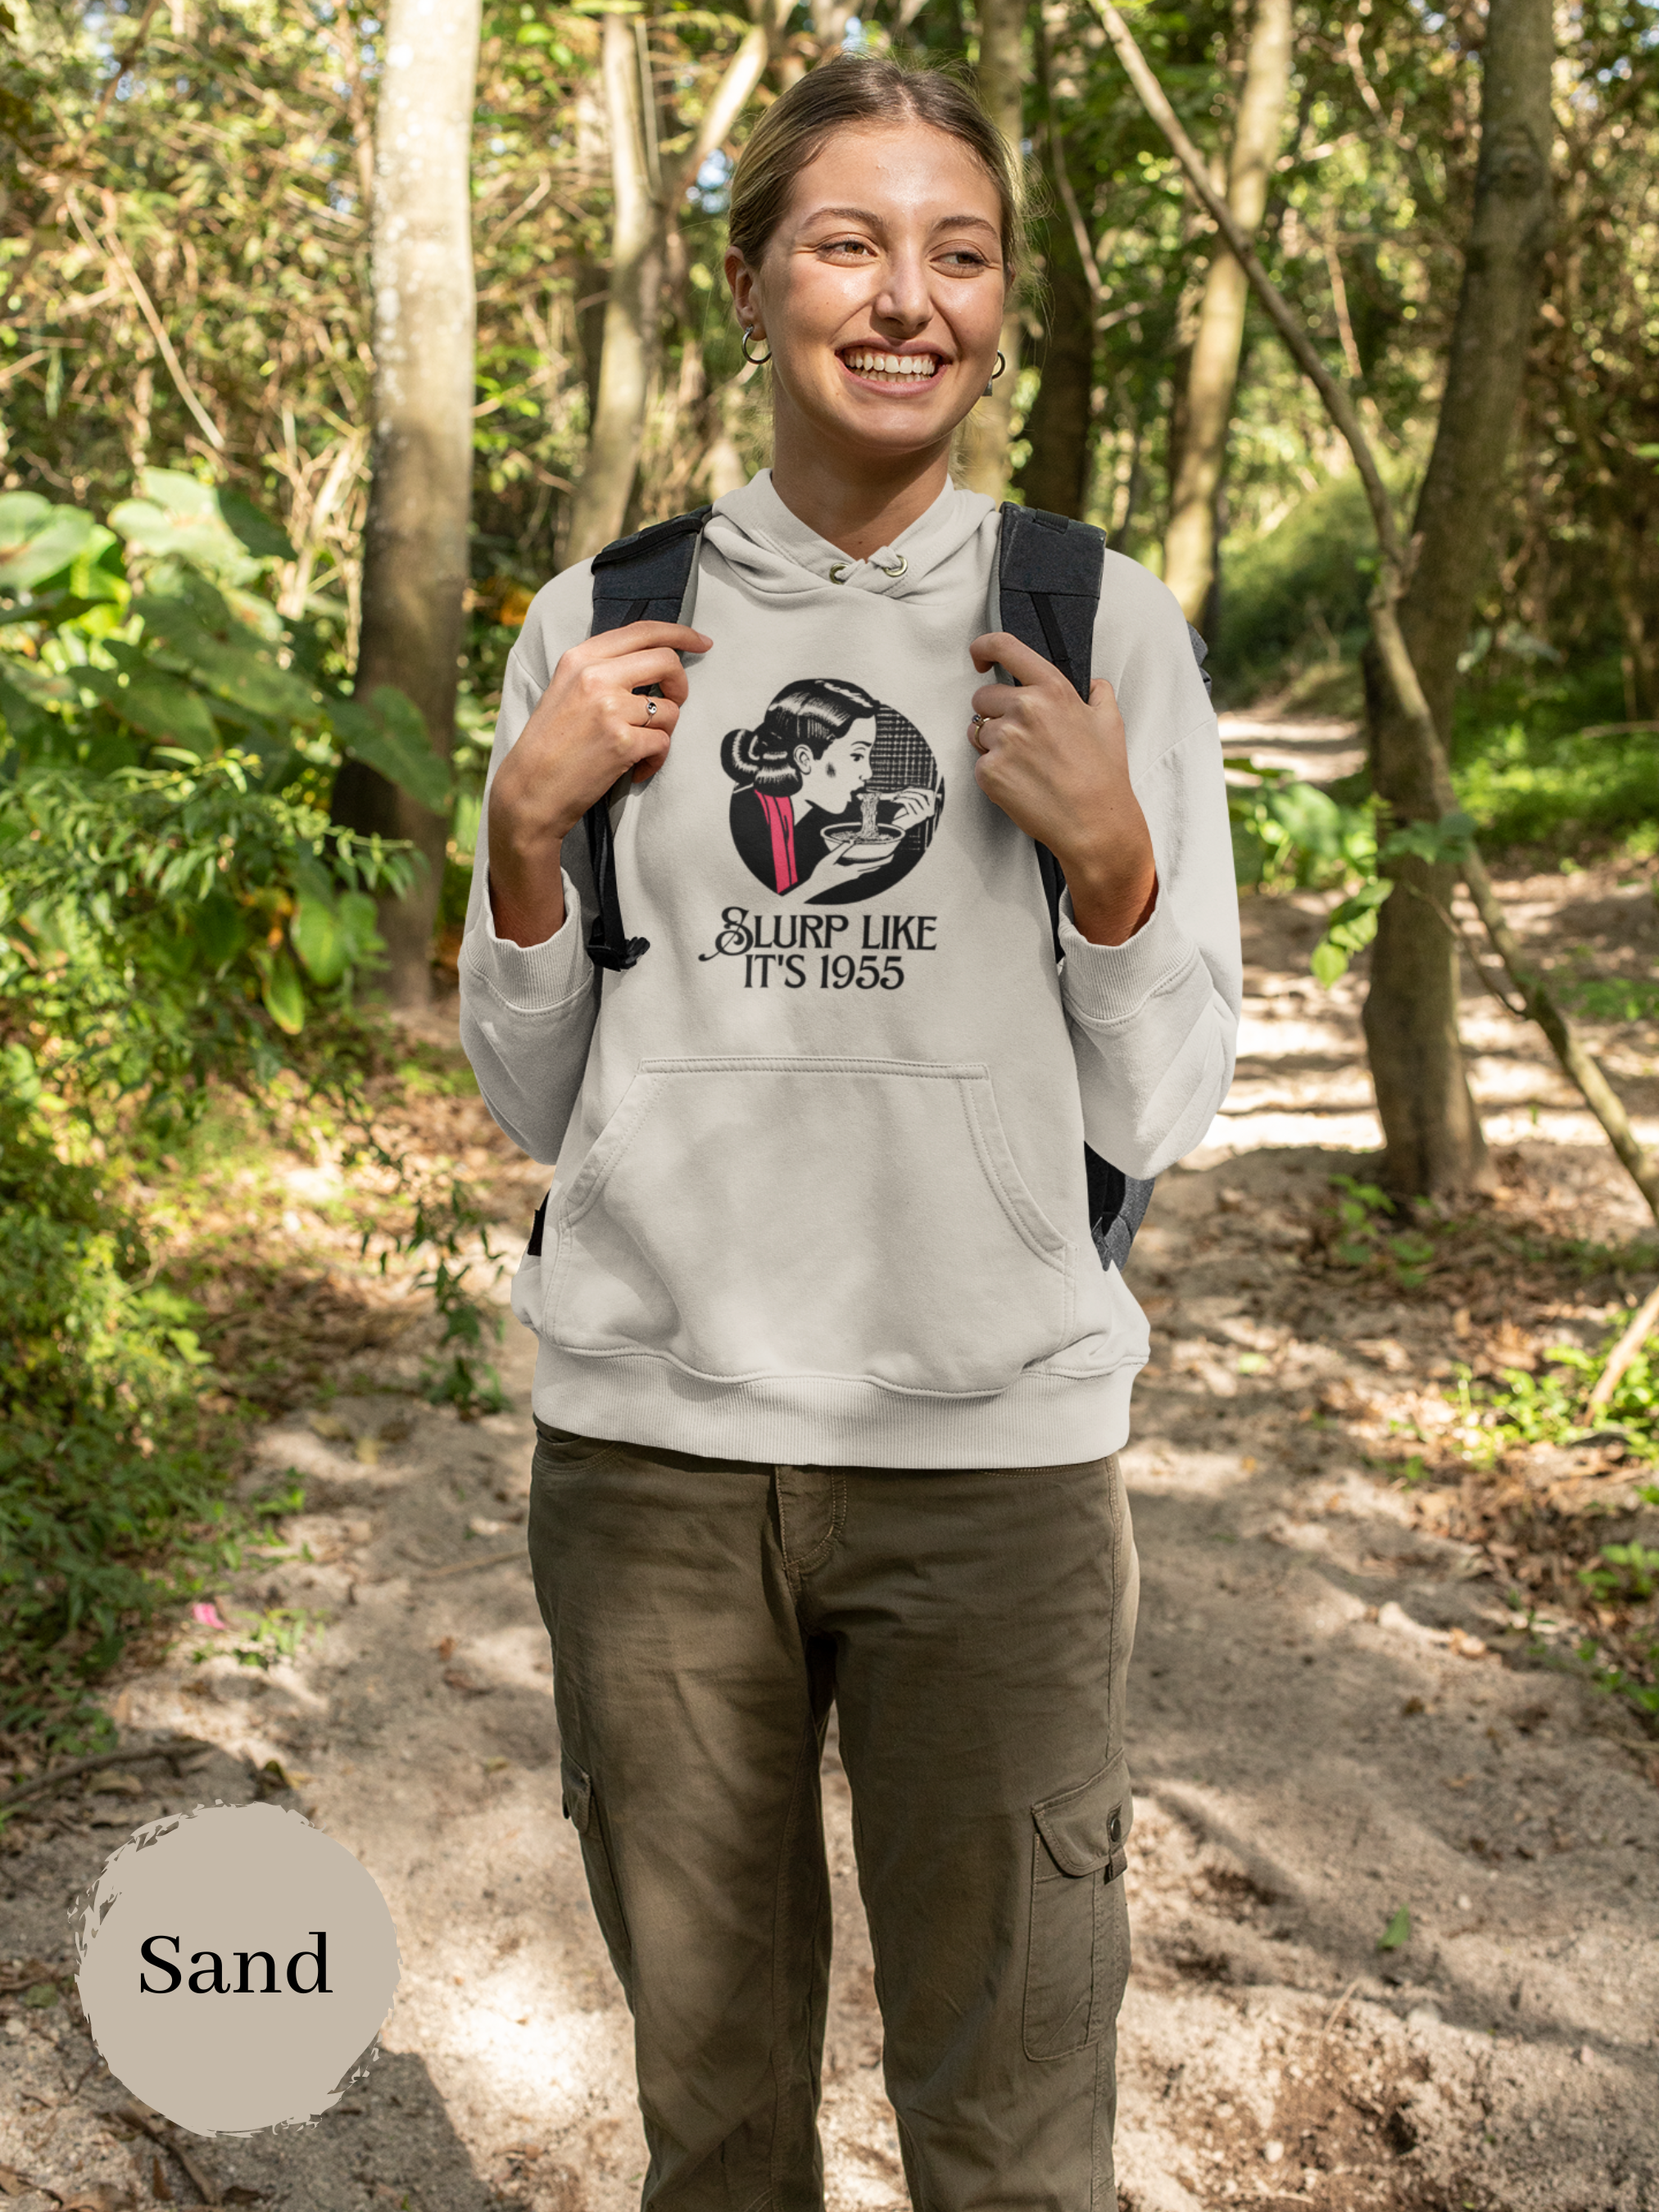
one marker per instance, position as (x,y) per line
(641,578)
(1048,573)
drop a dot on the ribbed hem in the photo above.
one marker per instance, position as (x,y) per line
(531,979)
(1042,1420)
(1106,984)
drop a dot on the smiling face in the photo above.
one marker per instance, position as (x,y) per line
(880,294)
(840,772)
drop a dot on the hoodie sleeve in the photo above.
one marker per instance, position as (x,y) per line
(527,1012)
(1154,1022)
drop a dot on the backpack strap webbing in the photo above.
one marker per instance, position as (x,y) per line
(642,578)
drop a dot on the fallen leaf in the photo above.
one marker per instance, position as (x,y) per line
(1456,1781)
(468,1688)
(368,1450)
(158,2181)
(331,1428)
(495,1765)
(444,1648)
(1398,1931)
(117,1785)
(1465,1645)
(13,2183)
(100,2197)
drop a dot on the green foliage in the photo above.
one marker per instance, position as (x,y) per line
(175,899)
(177,911)
(1289,835)
(1297,589)
(1627,1573)
(1398,1933)
(1528,780)
(1519,1407)
(1365,1240)
(103,1451)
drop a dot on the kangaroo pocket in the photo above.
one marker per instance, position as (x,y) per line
(834,1218)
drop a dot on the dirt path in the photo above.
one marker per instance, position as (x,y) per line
(1333,1722)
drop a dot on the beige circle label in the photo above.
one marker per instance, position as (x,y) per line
(235,1965)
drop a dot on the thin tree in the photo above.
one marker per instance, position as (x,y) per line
(1056,471)
(415,536)
(1393,661)
(646,196)
(1430,1125)
(988,431)
(1189,543)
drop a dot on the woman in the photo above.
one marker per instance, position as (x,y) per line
(797,776)
(830,1381)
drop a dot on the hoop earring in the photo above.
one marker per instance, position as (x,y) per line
(996,372)
(765,357)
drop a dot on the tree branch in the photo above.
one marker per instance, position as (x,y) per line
(743,73)
(1400,673)
(134,46)
(115,257)
(1068,200)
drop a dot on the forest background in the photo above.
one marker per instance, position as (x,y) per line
(265,547)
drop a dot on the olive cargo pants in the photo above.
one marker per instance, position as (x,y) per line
(973,1630)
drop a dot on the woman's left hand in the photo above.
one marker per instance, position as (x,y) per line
(1059,768)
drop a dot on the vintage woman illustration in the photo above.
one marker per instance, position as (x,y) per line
(809,814)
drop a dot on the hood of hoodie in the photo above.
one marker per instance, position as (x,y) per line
(779,558)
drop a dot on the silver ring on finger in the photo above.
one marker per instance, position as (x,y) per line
(976,726)
(650,710)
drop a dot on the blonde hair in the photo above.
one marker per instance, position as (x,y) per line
(850,91)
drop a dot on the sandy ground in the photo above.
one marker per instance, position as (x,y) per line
(1329,1724)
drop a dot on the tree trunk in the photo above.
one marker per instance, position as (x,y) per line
(1056,474)
(1435,1146)
(987,432)
(415,537)
(617,421)
(1189,545)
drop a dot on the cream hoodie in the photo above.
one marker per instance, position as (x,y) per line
(820,1196)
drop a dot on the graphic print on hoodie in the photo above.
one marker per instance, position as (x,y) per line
(820,1195)
(837,795)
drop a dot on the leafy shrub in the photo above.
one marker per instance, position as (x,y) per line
(102,1452)
(1297,590)
(175,906)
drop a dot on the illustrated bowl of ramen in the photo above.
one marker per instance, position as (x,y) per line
(867,839)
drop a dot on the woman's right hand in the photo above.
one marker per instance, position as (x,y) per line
(588,728)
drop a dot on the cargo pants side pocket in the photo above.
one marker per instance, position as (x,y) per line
(583,1812)
(1077,1963)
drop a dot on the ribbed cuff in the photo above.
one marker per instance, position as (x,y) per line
(531,979)
(1105,984)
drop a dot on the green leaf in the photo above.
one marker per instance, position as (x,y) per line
(1328,961)
(160,705)
(389,735)
(321,940)
(49,542)
(221,929)
(284,993)
(224,653)
(179,519)
(358,918)
(265,540)
(1398,1931)
(1440,844)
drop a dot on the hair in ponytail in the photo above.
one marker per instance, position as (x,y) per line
(814,713)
